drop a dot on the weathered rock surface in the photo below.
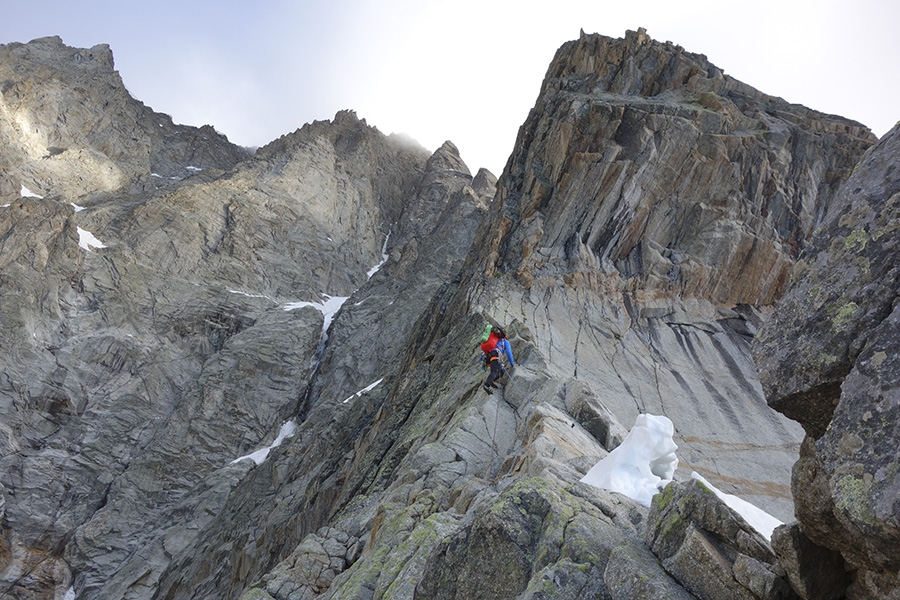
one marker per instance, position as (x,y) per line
(135,373)
(814,571)
(710,549)
(531,539)
(652,206)
(69,128)
(645,160)
(651,210)
(828,359)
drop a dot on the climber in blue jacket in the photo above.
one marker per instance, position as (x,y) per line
(494,343)
(505,347)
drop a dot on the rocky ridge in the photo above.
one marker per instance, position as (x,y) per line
(649,215)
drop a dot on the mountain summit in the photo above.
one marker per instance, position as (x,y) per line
(257,377)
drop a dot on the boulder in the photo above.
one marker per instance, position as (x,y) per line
(634,573)
(710,549)
(827,359)
(814,572)
(534,536)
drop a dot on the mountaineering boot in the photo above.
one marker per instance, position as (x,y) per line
(487,389)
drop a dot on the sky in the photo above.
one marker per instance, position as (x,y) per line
(466,71)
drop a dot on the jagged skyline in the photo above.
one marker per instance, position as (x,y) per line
(635,254)
(464,71)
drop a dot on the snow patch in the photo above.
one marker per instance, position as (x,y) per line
(759,519)
(195,169)
(287,430)
(645,462)
(70,594)
(26,193)
(328,307)
(4,205)
(384,258)
(76,207)
(368,388)
(642,464)
(249,295)
(87,240)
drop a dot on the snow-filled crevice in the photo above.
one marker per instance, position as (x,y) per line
(329,307)
(287,430)
(384,258)
(365,390)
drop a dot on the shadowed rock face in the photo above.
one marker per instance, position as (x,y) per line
(828,359)
(650,211)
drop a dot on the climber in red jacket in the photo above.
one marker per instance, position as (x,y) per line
(494,345)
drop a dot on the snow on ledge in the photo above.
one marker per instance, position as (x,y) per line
(645,462)
(287,430)
(759,519)
(26,193)
(368,388)
(249,295)
(87,240)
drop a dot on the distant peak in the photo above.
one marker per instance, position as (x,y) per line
(447,158)
(52,51)
(347,117)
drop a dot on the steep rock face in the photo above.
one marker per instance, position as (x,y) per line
(134,373)
(68,127)
(651,210)
(378,465)
(645,160)
(139,371)
(439,472)
(828,359)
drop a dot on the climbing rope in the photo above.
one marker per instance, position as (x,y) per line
(520,444)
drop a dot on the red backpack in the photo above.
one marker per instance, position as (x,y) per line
(490,343)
